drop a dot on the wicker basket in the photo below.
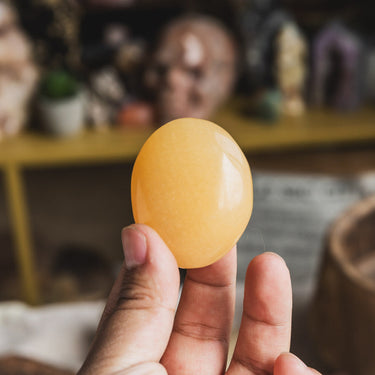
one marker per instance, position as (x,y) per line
(343,312)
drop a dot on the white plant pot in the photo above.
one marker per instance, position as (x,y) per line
(65,117)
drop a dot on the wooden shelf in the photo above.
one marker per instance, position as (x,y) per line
(313,129)
(32,149)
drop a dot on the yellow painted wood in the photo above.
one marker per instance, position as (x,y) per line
(32,149)
(21,232)
(312,129)
(315,128)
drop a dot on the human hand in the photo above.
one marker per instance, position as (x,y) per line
(142,333)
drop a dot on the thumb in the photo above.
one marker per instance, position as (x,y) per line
(138,318)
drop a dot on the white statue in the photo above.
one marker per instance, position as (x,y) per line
(18,74)
(291,53)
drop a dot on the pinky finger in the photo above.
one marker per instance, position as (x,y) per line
(289,364)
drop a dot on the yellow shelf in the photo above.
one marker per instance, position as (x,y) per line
(312,129)
(32,149)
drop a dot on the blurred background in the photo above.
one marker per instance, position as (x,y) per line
(82,86)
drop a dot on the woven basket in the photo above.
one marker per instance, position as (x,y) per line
(343,312)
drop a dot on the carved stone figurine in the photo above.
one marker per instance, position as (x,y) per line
(18,74)
(370,74)
(192,70)
(260,21)
(290,69)
(337,68)
(114,77)
(104,98)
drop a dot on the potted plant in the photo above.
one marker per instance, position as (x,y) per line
(61,104)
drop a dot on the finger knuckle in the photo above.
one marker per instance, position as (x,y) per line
(139,293)
(201,331)
(136,294)
(249,364)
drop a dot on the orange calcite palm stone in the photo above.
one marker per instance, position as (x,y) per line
(192,184)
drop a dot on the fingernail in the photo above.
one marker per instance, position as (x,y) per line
(135,247)
(298,366)
(297,362)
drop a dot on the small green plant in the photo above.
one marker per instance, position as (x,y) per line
(59,84)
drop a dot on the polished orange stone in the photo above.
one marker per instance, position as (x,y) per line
(192,184)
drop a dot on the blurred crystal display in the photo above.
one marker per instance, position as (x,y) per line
(370,74)
(113,65)
(275,54)
(192,70)
(18,74)
(338,63)
(105,96)
(260,22)
(290,66)
(54,27)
